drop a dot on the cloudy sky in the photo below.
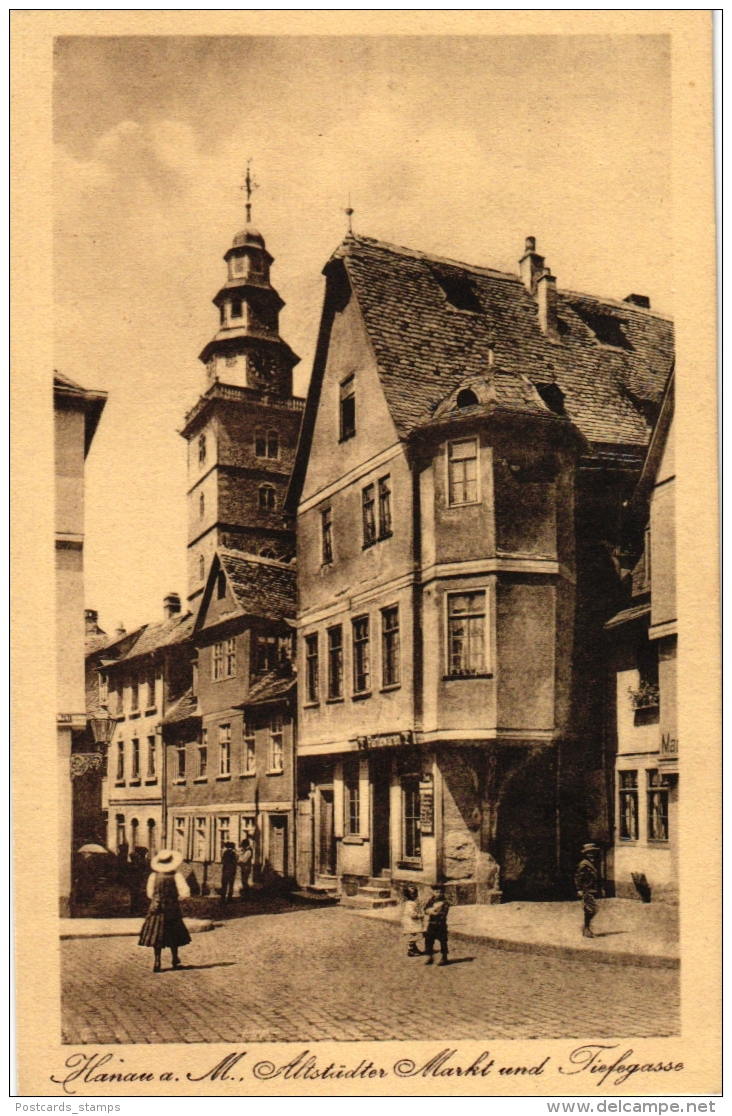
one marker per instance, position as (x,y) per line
(458,146)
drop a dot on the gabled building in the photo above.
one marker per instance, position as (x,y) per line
(469,440)
(230,738)
(642,639)
(140,676)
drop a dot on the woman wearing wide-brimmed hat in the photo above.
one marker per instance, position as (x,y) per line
(164,927)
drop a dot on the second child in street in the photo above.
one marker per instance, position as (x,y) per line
(412,920)
(586,881)
(436,911)
(229,862)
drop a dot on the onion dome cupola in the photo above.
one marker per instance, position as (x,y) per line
(247,351)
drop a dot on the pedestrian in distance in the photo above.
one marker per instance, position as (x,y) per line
(246,856)
(436,911)
(229,862)
(412,920)
(586,880)
(164,927)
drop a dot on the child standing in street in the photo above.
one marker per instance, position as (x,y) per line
(412,920)
(436,910)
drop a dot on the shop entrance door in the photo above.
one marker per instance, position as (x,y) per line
(326,835)
(381,778)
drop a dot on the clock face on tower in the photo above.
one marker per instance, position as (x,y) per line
(263,365)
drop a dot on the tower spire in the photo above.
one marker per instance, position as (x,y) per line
(249,186)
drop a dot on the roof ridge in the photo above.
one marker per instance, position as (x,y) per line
(243,555)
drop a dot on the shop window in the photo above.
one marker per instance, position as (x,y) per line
(466,634)
(180,761)
(247,827)
(224,750)
(223,831)
(348,408)
(335,662)
(276,744)
(628,805)
(657,806)
(200,840)
(352,820)
(411,835)
(312,682)
(326,533)
(179,835)
(462,460)
(368,514)
(361,672)
(390,646)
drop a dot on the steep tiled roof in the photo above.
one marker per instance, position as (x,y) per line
(262,587)
(269,687)
(155,636)
(424,346)
(184,709)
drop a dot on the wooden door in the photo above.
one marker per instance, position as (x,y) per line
(278,845)
(326,844)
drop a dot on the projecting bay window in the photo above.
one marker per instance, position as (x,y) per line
(312,681)
(326,536)
(391,675)
(335,663)
(222,835)
(462,466)
(200,839)
(348,408)
(224,659)
(224,751)
(628,805)
(657,806)
(179,835)
(369,518)
(466,634)
(361,670)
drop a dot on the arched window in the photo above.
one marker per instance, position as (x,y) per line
(134,833)
(202,450)
(201,505)
(273,444)
(121,837)
(152,837)
(266,498)
(467,398)
(201,567)
(221,585)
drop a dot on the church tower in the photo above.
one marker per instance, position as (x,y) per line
(242,433)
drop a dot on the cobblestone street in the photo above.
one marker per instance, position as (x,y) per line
(327,974)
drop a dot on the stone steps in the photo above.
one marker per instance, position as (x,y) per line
(366,902)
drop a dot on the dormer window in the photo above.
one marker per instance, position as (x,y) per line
(607,328)
(348,408)
(467,398)
(236,307)
(457,288)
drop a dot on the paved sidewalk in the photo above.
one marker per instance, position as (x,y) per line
(626,932)
(118,927)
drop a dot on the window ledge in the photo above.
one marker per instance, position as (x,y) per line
(659,842)
(334,701)
(346,437)
(388,689)
(353,839)
(134,714)
(151,711)
(324,565)
(361,695)
(465,677)
(201,779)
(179,782)
(151,782)
(410,865)
(120,783)
(276,771)
(135,782)
(368,545)
(223,778)
(466,504)
(310,704)
(247,774)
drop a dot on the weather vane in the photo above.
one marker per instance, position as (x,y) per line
(250,186)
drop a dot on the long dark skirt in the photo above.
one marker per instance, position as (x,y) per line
(164,926)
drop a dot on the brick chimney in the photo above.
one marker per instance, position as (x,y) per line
(171,606)
(639,300)
(531,264)
(120,630)
(91,620)
(546,296)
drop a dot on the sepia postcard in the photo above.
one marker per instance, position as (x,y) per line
(366,594)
